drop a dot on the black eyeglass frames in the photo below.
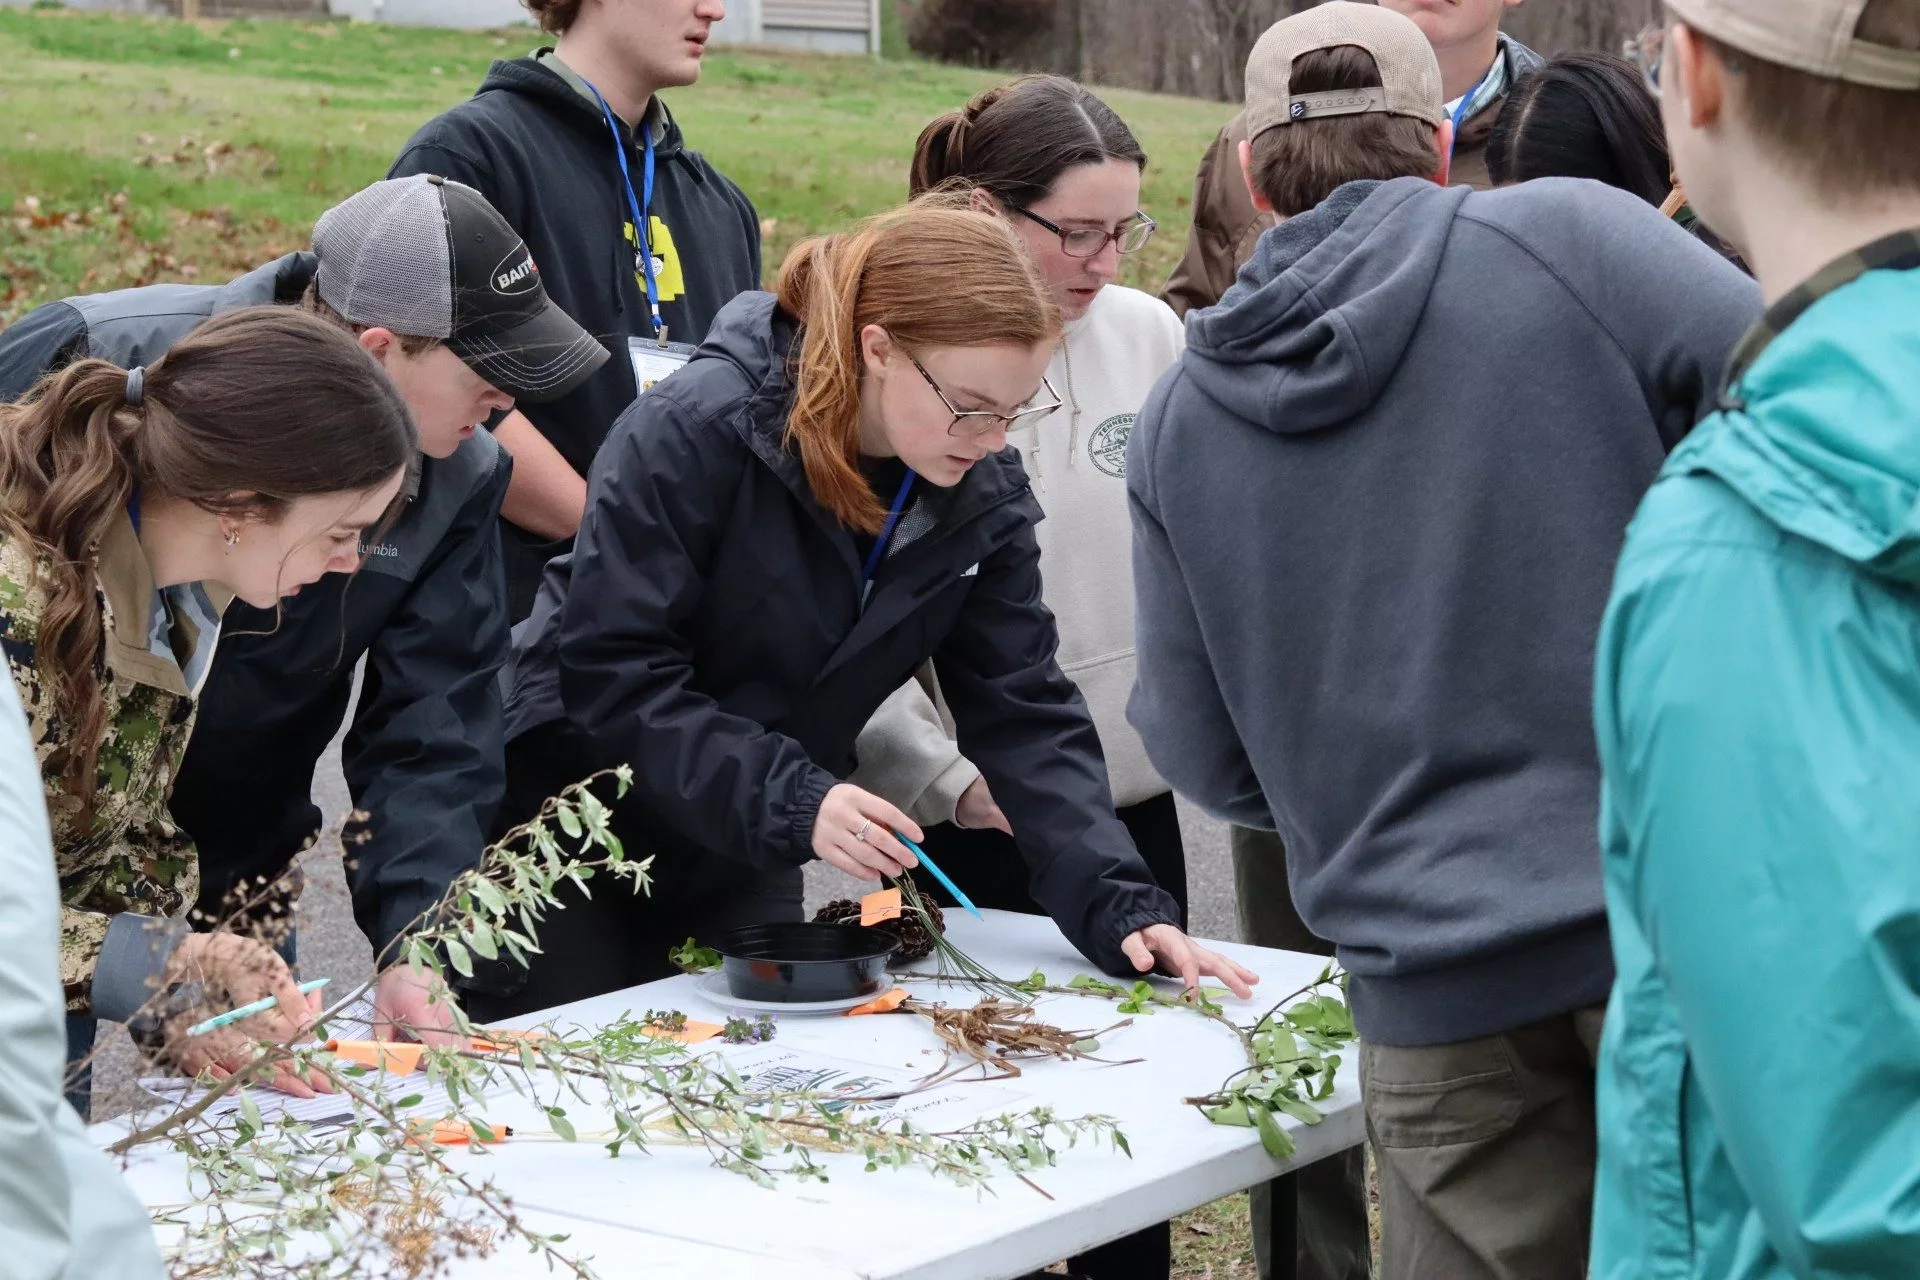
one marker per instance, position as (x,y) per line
(1085,242)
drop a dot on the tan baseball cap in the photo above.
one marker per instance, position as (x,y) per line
(1815,36)
(1409,72)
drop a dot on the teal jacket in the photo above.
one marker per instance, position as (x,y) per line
(1758,713)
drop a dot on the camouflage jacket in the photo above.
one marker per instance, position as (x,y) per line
(119,851)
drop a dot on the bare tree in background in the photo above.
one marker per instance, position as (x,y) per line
(1554,26)
(1200,47)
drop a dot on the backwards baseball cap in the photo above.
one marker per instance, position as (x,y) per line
(430,258)
(1814,36)
(1409,71)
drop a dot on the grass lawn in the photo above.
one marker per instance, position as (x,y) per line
(135,149)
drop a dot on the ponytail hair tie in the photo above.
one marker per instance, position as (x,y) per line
(136,386)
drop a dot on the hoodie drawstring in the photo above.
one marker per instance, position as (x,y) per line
(1073,402)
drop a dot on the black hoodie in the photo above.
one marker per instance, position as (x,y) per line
(707,629)
(542,154)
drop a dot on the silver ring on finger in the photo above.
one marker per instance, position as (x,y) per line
(861,834)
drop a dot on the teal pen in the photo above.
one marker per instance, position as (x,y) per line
(940,875)
(232,1016)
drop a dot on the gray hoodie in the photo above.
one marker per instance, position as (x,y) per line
(1376,510)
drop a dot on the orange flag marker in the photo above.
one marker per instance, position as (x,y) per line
(381,1055)
(881,1004)
(884,905)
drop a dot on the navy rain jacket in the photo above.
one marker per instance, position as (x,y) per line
(707,630)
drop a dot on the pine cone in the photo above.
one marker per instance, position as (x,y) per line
(915,942)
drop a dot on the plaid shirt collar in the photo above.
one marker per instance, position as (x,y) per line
(1897,252)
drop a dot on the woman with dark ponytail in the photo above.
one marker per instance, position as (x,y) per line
(775,539)
(1053,162)
(1592,115)
(245,463)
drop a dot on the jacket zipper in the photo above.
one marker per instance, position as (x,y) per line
(942,530)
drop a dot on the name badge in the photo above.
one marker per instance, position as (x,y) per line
(653,364)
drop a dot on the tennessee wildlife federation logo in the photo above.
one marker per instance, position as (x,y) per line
(1107,446)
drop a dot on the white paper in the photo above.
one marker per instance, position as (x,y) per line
(354,1022)
(886,1092)
(653,363)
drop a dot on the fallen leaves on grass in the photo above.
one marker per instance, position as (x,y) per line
(122,249)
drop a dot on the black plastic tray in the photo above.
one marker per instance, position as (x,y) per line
(803,963)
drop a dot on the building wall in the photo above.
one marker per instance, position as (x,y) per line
(471,14)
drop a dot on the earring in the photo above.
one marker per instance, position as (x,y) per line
(233,539)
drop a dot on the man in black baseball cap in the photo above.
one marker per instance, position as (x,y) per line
(441,292)
(430,258)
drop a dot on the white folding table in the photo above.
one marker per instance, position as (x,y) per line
(671,1213)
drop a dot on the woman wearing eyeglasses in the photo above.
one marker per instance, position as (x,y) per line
(777,536)
(1062,170)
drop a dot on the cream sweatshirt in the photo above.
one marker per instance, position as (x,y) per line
(1104,369)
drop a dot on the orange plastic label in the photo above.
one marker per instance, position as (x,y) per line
(381,1055)
(884,905)
(882,1004)
(453,1133)
(692,1033)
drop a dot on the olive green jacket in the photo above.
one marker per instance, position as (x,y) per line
(118,853)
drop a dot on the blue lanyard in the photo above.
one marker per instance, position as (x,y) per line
(886,535)
(639,207)
(1466,101)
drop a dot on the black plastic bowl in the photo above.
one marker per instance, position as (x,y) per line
(804,963)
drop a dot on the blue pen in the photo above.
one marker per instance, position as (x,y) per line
(232,1016)
(940,875)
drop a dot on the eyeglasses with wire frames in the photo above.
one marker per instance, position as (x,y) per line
(978,422)
(1648,51)
(1087,242)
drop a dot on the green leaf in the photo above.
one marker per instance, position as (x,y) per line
(1233,1112)
(569,822)
(411,1100)
(458,957)
(483,1130)
(690,957)
(489,894)
(1089,1045)
(480,938)
(1272,1136)
(1120,1141)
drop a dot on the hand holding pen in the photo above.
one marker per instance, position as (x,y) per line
(251,973)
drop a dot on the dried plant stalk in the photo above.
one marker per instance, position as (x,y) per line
(1002,1033)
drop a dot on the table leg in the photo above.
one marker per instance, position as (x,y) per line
(1283,1234)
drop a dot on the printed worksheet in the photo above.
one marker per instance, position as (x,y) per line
(870,1089)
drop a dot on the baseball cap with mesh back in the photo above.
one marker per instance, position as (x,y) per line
(1814,36)
(1409,71)
(430,258)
